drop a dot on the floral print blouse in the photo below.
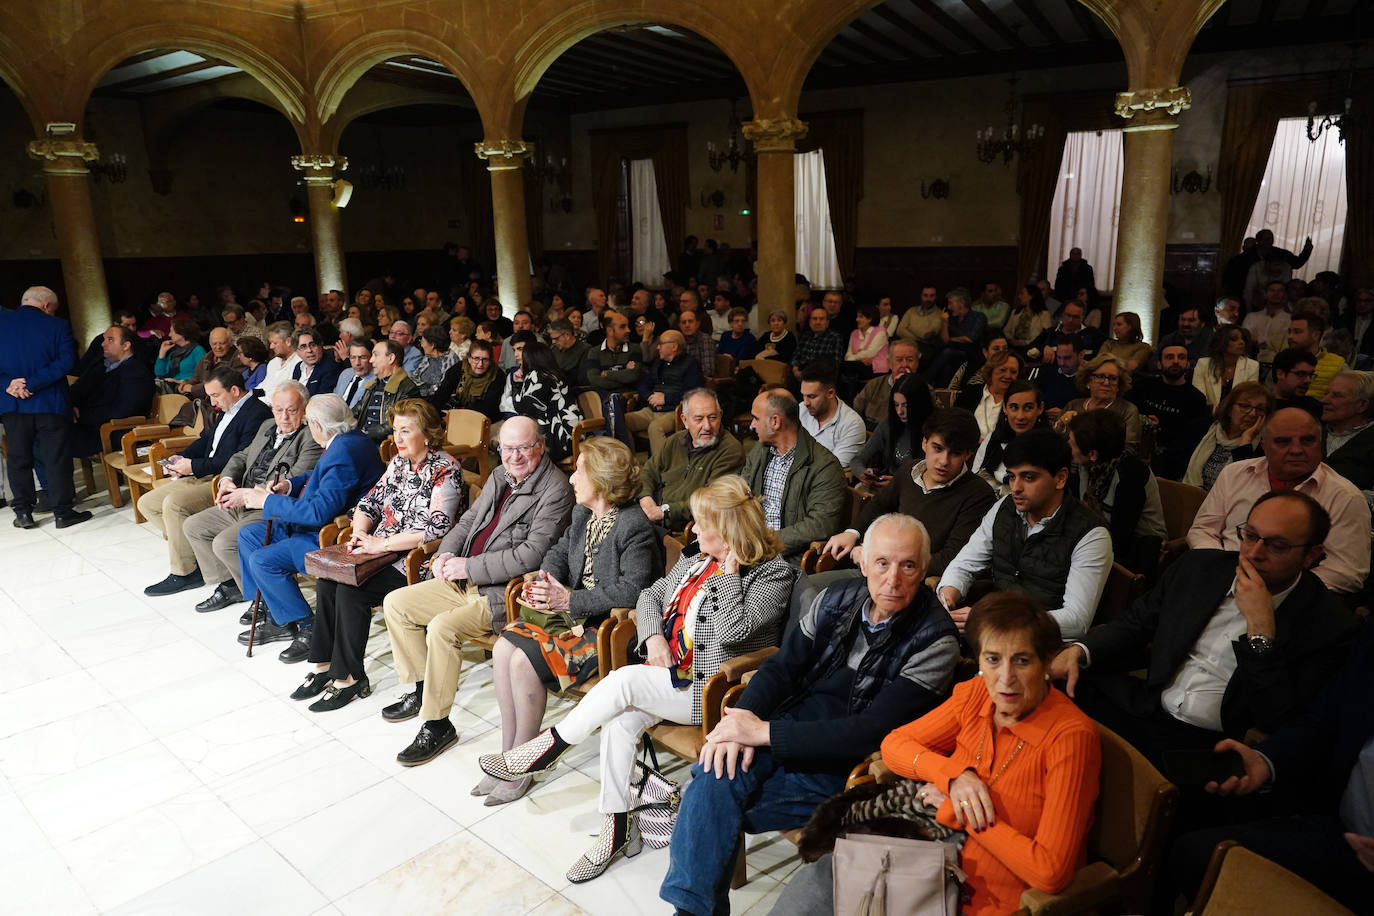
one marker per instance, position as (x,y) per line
(427,498)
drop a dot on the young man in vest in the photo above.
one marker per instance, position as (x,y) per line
(1037,540)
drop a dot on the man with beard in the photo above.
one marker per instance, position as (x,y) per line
(1179,409)
(688,461)
(1293,371)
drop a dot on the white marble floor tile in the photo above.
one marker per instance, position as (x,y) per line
(40,661)
(351,842)
(84,617)
(558,905)
(198,699)
(547,830)
(51,596)
(228,744)
(47,701)
(253,880)
(70,744)
(119,640)
(153,668)
(38,880)
(447,781)
(461,874)
(379,741)
(155,845)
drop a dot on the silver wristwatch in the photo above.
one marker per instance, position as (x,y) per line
(1260,645)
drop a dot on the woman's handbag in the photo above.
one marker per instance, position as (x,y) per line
(894,876)
(336,564)
(656,798)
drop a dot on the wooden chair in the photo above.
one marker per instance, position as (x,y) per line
(1180,502)
(944,397)
(165,407)
(467,434)
(1121,590)
(1243,883)
(144,476)
(609,643)
(593,421)
(772,371)
(387,449)
(725,371)
(1135,806)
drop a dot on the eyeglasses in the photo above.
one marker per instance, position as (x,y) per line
(1251,408)
(1274,544)
(512,450)
(1105,377)
(1303,373)
(307,345)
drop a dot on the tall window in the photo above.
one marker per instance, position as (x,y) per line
(816,258)
(648,244)
(1087,204)
(1303,194)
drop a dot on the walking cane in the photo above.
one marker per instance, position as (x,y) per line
(267,539)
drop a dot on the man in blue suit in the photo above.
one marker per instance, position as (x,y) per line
(36,352)
(300,507)
(317,370)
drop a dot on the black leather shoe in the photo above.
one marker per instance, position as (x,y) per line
(408,707)
(247,616)
(299,650)
(76,518)
(339,697)
(312,686)
(270,632)
(174,583)
(24,520)
(225,594)
(434,738)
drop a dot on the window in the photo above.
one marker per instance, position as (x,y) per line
(816,258)
(1303,194)
(648,244)
(1087,204)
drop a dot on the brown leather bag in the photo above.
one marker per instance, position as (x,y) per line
(336,564)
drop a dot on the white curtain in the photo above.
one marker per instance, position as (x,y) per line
(1087,204)
(816,258)
(649,247)
(1303,194)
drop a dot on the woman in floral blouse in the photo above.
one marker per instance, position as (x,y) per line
(417,500)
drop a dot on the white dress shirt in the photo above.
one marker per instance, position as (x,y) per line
(278,370)
(843,434)
(224,423)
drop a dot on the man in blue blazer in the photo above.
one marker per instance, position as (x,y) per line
(36,352)
(300,507)
(317,369)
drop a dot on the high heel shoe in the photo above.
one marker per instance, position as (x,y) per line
(608,845)
(539,753)
(314,684)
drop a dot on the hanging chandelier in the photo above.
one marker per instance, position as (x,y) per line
(732,153)
(1341,122)
(1012,141)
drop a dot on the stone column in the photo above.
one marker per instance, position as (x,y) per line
(320,171)
(775,141)
(1142,228)
(505,159)
(78,245)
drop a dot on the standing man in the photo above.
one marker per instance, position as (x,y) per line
(36,351)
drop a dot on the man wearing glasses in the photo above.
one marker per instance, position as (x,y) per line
(1293,372)
(1237,639)
(523,509)
(1292,461)
(317,370)
(351,384)
(568,352)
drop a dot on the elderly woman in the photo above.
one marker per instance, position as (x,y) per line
(1023,409)
(739,341)
(779,343)
(1105,380)
(491,310)
(867,343)
(1239,418)
(460,330)
(729,598)
(1118,486)
(539,392)
(179,353)
(609,553)
(1128,341)
(476,383)
(1225,364)
(416,500)
(985,400)
(897,439)
(435,361)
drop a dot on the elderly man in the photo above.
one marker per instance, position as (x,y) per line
(903,358)
(350,329)
(671,376)
(389,384)
(282,447)
(962,336)
(317,370)
(223,352)
(161,313)
(353,381)
(523,509)
(119,386)
(821,345)
(36,352)
(284,357)
(187,491)
(238,325)
(401,334)
(688,461)
(801,484)
(1236,640)
(831,422)
(867,656)
(300,506)
(1292,460)
(1346,411)
(696,343)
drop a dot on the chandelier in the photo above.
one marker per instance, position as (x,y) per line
(114,168)
(732,153)
(378,176)
(556,173)
(1340,122)
(1012,141)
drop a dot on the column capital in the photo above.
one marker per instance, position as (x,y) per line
(503,155)
(64,156)
(774,135)
(319,167)
(1153,109)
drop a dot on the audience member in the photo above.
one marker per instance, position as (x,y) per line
(897,439)
(736,340)
(661,389)
(614,370)
(1178,410)
(1029,319)
(1225,364)
(1191,333)
(179,354)
(282,365)
(886,320)
(779,343)
(904,358)
(961,333)
(222,352)
(1305,331)
(437,359)
(866,354)
(985,400)
(832,423)
(923,323)
(317,370)
(539,392)
(1292,446)
(1346,413)
(400,333)
(696,343)
(1293,372)
(1119,487)
(352,382)
(475,384)
(1105,380)
(993,307)
(161,314)
(1061,386)
(688,461)
(1268,325)
(1238,420)
(841,316)
(390,385)
(1359,321)
(1035,541)
(1128,342)
(821,345)
(1070,323)
(1023,409)
(119,386)
(569,352)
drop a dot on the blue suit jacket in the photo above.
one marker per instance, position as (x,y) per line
(238,435)
(38,348)
(345,472)
(323,379)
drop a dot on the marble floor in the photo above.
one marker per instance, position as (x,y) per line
(147,766)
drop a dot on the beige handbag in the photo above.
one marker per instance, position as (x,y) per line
(893,876)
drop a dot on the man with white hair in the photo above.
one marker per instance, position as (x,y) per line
(299,507)
(222,353)
(36,353)
(688,461)
(1346,414)
(350,329)
(284,357)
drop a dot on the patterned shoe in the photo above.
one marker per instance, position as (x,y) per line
(608,845)
(539,753)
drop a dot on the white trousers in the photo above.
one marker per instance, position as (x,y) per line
(624,705)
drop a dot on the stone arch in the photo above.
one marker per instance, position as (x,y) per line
(815,28)
(11,78)
(1155,41)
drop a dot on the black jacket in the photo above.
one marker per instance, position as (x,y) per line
(101,396)
(324,377)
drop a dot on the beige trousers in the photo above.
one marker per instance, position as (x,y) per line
(214,536)
(428,623)
(660,426)
(168,507)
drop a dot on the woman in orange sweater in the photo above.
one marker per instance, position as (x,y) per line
(1008,758)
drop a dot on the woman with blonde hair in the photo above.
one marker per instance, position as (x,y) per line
(729,598)
(1105,380)
(1234,436)
(609,553)
(1129,341)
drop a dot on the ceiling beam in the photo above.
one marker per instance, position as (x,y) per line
(153,78)
(968,65)
(992,21)
(846,47)
(1089,23)
(882,38)
(910,29)
(951,25)
(662,43)
(1031,10)
(618,46)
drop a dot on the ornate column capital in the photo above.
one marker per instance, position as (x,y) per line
(64,156)
(503,155)
(319,168)
(1153,109)
(774,135)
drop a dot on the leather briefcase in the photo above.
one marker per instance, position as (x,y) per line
(336,564)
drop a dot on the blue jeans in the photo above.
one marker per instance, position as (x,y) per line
(273,569)
(716,809)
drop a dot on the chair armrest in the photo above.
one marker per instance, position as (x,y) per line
(107,430)
(141,435)
(416,559)
(735,668)
(863,771)
(622,635)
(1090,887)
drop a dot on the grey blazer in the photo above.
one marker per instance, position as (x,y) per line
(300,453)
(740,614)
(627,562)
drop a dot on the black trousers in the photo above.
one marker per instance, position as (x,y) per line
(342,618)
(46,439)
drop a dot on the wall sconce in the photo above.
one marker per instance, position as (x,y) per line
(938,189)
(715,199)
(1192,182)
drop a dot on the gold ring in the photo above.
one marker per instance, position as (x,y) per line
(963,804)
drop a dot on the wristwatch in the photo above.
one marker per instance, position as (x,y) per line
(1260,645)
(663,508)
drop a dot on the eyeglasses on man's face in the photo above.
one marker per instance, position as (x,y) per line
(1273,543)
(510,451)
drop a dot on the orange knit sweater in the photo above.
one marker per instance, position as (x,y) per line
(1043,800)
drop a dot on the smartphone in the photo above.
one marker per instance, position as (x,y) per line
(1201,766)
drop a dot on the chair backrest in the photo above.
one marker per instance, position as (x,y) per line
(387,449)
(855,500)
(725,365)
(944,397)
(590,404)
(1135,806)
(1242,883)
(1122,588)
(165,407)
(772,371)
(672,551)
(467,429)
(1181,502)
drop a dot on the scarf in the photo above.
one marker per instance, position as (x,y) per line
(177,354)
(474,386)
